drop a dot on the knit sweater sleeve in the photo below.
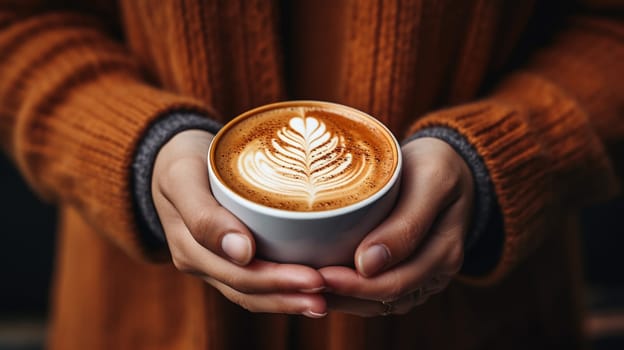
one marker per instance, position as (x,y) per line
(73,107)
(549,134)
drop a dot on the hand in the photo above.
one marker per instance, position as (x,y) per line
(207,241)
(416,251)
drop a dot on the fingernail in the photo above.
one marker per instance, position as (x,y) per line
(312,314)
(237,247)
(312,290)
(373,259)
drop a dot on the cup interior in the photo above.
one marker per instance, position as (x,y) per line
(304,215)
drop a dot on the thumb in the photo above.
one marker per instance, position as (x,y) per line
(219,231)
(183,182)
(433,180)
(210,224)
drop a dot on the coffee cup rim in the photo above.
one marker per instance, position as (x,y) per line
(304,215)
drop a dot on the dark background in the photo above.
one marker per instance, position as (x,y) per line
(27,228)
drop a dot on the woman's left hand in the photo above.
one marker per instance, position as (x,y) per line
(417,250)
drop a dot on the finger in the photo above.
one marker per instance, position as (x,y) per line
(186,187)
(428,187)
(441,253)
(309,305)
(257,277)
(390,285)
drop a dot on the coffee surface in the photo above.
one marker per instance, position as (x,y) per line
(305,158)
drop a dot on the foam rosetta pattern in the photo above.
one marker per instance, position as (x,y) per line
(305,161)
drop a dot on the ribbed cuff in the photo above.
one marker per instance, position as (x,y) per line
(161,131)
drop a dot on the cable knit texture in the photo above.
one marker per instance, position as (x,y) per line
(82,82)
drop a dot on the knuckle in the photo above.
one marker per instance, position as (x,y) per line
(202,223)
(407,233)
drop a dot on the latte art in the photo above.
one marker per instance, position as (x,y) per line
(304,161)
(305,157)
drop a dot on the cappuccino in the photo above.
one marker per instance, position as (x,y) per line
(304,156)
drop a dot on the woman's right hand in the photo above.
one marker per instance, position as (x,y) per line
(206,240)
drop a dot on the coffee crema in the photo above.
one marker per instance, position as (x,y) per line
(305,158)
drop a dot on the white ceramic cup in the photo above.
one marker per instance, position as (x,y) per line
(314,238)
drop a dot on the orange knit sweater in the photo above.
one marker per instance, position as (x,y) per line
(79,84)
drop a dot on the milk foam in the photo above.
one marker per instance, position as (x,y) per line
(306,157)
(305,161)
